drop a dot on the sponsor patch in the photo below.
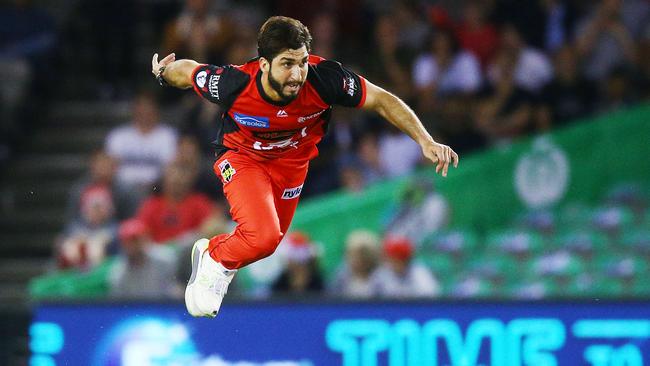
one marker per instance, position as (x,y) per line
(274,135)
(252,121)
(307,118)
(349,86)
(291,193)
(213,85)
(227,171)
(200,78)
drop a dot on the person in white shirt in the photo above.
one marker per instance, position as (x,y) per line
(354,278)
(400,276)
(446,69)
(532,68)
(143,147)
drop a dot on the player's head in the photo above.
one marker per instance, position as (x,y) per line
(283,45)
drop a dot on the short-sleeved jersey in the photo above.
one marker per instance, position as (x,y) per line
(265,129)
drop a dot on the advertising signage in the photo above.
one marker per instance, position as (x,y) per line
(348,334)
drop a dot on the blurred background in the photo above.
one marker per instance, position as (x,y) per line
(106,178)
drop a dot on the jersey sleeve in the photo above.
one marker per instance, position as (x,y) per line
(337,85)
(219,84)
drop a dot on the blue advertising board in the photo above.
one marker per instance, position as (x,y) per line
(348,334)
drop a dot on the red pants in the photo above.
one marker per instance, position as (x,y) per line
(263,197)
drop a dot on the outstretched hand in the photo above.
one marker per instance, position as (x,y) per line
(441,154)
(156,66)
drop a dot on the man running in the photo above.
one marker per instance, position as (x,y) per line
(276,109)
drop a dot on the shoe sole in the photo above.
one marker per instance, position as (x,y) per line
(199,247)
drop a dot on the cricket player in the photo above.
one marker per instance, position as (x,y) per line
(276,109)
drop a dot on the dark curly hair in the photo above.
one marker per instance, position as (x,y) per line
(279,33)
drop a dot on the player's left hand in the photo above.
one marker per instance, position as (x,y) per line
(441,154)
(155,65)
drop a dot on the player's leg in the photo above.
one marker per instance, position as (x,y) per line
(288,177)
(252,207)
(247,187)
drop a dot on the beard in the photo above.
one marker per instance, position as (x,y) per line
(279,88)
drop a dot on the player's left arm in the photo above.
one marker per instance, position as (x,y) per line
(177,73)
(395,111)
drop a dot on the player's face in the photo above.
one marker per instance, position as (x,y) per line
(288,72)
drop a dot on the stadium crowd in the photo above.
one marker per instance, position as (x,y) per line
(477,73)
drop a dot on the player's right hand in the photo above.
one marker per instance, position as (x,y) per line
(441,155)
(156,66)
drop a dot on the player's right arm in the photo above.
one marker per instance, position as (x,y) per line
(177,73)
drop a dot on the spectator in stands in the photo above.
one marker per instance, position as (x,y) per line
(324,31)
(362,167)
(475,34)
(504,110)
(27,41)
(400,276)
(354,278)
(447,79)
(444,70)
(302,273)
(569,95)
(643,79)
(420,212)
(399,155)
(143,147)
(90,238)
(604,40)
(351,175)
(531,68)
(143,269)
(389,66)
(615,91)
(178,213)
(101,174)
(368,153)
(199,33)
(560,21)
(188,154)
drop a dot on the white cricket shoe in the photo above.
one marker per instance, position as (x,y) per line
(208,284)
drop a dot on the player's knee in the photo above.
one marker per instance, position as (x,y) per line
(263,240)
(268,240)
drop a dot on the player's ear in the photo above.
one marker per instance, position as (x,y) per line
(264,64)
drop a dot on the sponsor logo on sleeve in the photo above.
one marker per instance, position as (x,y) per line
(291,193)
(252,121)
(213,85)
(227,171)
(200,78)
(349,85)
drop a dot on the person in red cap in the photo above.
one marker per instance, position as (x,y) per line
(301,274)
(276,109)
(400,276)
(143,269)
(88,240)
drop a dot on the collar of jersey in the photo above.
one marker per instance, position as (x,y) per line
(258,81)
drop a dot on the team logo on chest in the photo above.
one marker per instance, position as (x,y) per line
(227,171)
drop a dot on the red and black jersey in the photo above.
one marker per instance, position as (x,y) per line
(255,124)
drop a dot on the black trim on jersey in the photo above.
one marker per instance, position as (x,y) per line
(335,84)
(222,85)
(227,125)
(230,83)
(260,89)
